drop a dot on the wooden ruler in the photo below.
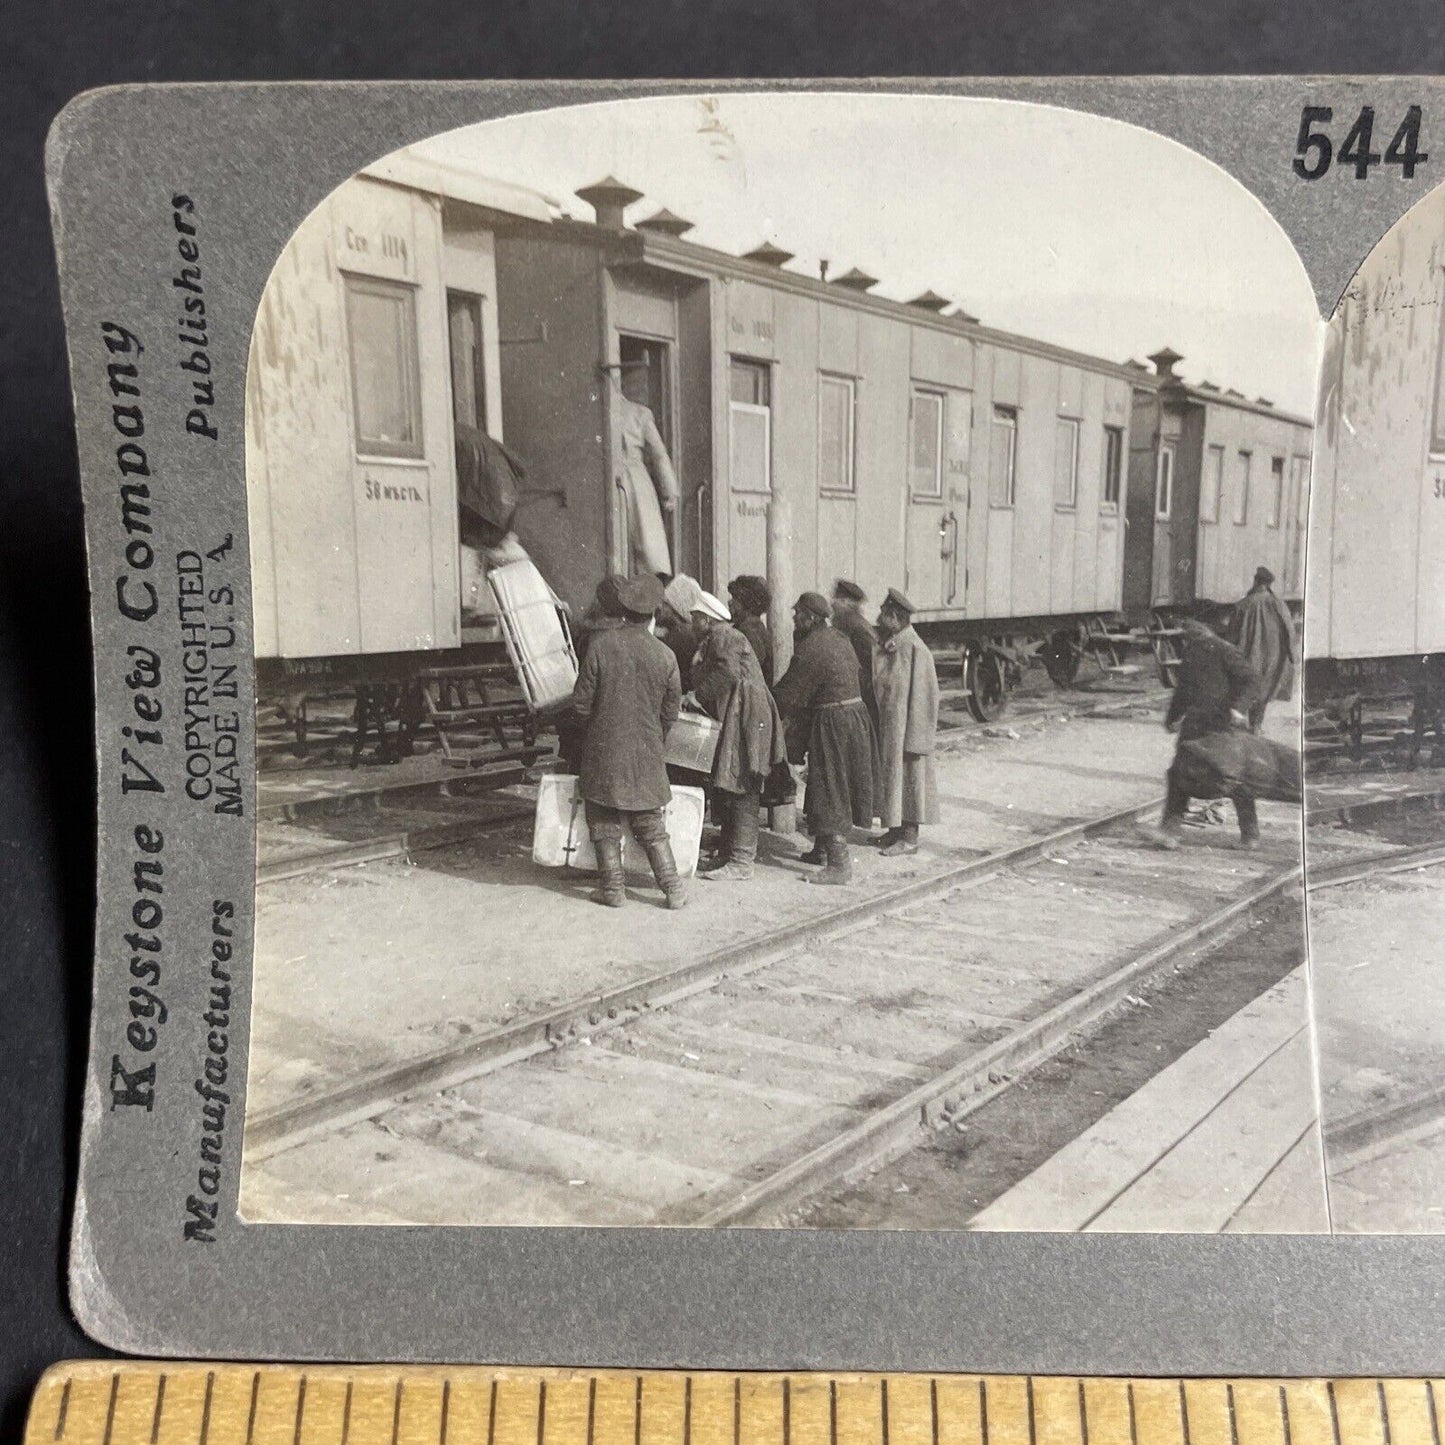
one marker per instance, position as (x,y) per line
(138,1403)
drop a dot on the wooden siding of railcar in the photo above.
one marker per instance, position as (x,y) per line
(1028,560)
(1376,560)
(550,319)
(1145,421)
(1230,551)
(342,573)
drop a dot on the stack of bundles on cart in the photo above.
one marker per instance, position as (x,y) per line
(1220,764)
(534,627)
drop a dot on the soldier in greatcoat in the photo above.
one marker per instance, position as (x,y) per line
(628,695)
(1215,687)
(848,599)
(822,707)
(905,684)
(1263,631)
(728,685)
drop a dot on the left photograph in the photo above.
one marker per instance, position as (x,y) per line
(775,624)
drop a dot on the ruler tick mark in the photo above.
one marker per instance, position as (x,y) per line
(983,1411)
(160,1405)
(687,1413)
(64,1410)
(446,1404)
(1183,1412)
(206,1407)
(541,1410)
(933,1409)
(787,1410)
(492,1415)
(110,1408)
(396,1412)
(832,1413)
(1284,1416)
(1233,1416)
(346,1415)
(251,1417)
(300,1409)
(1133,1415)
(1434,1417)
(1033,1424)
(1084,1414)
(1384,1410)
(591,1407)
(1334,1410)
(636,1414)
(883,1409)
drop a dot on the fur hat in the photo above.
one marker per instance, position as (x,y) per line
(815,603)
(640,596)
(850,591)
(752,594)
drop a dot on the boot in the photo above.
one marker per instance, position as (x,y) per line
(724,854)
(903,842)
(817,855)
(664,869)
(840,865)
(743,818)
(887,839)
(611,889)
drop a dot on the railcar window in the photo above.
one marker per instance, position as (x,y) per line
(1066,461)
(837,399)
(386,397)
(1164,483)
(1213,486)
(1003,456)
(1113,468)
(1276,491)
(750,427)
(1241,492)
(925,443)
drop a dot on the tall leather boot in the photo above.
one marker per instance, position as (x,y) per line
(840,864)
(743,850)
(903,842)
(727,828)
(611,890)
(664,869)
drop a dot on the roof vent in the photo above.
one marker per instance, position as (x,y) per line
(609,198)
(930,301)
(856,280)
(1239,394)
(959,314)
(1264,401)
(1135,365)
(768,254)
(666,223)
(1207,386)
(1165,362)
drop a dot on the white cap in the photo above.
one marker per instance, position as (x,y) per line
(711,606)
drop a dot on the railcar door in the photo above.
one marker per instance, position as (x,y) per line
(939,439)
(750,465)
(1162,582)
(646,377)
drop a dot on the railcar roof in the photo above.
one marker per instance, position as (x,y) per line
(1210,396)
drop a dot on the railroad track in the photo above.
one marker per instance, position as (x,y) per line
(732,1088)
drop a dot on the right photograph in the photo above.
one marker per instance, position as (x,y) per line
(1374,696)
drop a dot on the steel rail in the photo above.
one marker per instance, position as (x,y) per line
(279,1128)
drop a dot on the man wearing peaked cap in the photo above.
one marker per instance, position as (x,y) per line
(627,697)
(820,703)
(849,620)
(905,683)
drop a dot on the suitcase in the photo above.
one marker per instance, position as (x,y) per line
(1217,764)
(692,742)
(559,831)
(534,627)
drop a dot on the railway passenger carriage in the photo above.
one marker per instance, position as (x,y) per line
(816,430)
(1375,619)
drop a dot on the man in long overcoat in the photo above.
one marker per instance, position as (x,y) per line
(905,683)
(648,481)
(628,695)
(848,599)
(822,707)
(728,685)
(1263,631)
(1215,688)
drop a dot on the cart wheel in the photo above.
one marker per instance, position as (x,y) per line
(1061,655)
(1168,664)
(983,676)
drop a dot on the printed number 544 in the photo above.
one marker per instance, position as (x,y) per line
(1315,148)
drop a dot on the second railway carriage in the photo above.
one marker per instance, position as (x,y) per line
(817,431)
(1375,615)
(1218,486)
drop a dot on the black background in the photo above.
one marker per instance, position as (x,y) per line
(52,49)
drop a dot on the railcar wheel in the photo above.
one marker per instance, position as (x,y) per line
(1061,656)
(983,677)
